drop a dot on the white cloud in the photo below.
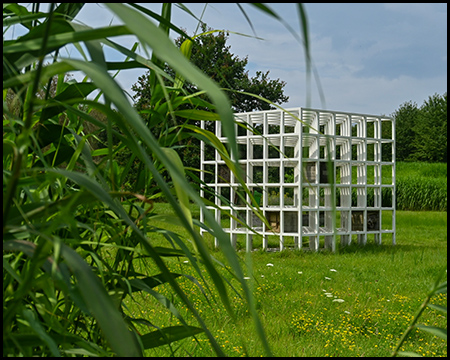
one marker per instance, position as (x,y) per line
(423,11)
(376,95)
(371,58)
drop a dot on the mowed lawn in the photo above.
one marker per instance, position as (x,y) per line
(356,302)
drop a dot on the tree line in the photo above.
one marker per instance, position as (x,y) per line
(421,132)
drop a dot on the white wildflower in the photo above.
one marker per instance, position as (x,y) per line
(269,264)
(338,300)
(334,270)
(327,278)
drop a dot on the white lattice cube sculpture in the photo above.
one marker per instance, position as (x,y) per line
(291,168)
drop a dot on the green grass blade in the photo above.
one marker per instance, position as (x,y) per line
(193,114)
(168,335)
(22,19)
(409,354)
(246,18)
(442,333)
(161,19)
(153,281)
(95,189)
(73,92)
(57,41)
(68,10)
(121,340)
(142,286)
(29,316)
(179,186)
(438,307)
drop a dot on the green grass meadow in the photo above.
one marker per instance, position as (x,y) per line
(357,302)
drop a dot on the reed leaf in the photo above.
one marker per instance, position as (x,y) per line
(168,335)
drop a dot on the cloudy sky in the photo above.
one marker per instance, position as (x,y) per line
(370,58)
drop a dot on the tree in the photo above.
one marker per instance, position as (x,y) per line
(421,133)
(430,142)
(211,54)
(405,120)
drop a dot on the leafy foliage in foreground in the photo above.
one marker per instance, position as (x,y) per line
(72,236)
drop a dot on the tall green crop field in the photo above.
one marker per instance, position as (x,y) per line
(421,186)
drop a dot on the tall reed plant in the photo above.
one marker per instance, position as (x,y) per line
(73,237)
